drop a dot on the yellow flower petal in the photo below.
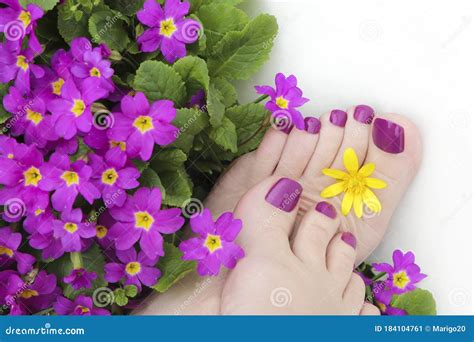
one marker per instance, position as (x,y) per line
(367,170)
(351,162)
(371,201)
(333,190)
(358,205)
(375,183)
(336,174)
(347,203)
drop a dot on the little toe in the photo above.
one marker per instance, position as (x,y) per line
(340,257)
(369,310)
(354,294)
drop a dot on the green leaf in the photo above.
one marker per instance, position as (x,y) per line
(120,297)
(109,26)
(160,81)
(172,268)
(168,160)
(46,5)
(126,7)
(193,71)
(190,122)
(218,19)
(178,187)
(417,302)
(68,27)
(4,115)
(131,291)
(150,179)
(215,105)
(227,90)
(225,135)
(241,53)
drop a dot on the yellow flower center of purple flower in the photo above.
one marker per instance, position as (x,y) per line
(70,227)
(167,27)
(381,306)
(83,309)
(213,242)
(109,176)
(33,116)
(78,108)
(94,72)
(21,62)
(57,86)
(101,232)
(6,251)
(120,144)
(70,177)
(25,18)
(133,268)
(32,176)
(10,156)
(282,102)
(143,123)
(27,294)
(401,279)
(38,212)
(143,220)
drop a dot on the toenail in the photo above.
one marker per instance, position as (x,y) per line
(388,136)
(312,125)
(338,118)
(350,239)
(364,114)
(287,128)
(285,194)
(327,209)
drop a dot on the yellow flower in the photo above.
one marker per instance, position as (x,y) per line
(355,184)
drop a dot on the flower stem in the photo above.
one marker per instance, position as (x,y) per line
(378,276)
(76,259)
(261,98)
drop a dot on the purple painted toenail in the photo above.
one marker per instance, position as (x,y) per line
(364,114)
(388,136)
(285,194)
(338,117)
(312,125)
(327,209)
(350,239)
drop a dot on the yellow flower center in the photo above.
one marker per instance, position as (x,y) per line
(27,294)
(32,176)
(25,18)
(355,184)
(133,268)
(78,108)
(101,231)
(83,309)
(33,116)
(381,306)
(94,72)
(167,27)
(57,86)
(143,220)
(70,177)
(38,212)
(6,251)
(109,176)
(21,62)
(120,144)
(401,279)
(213,242)
(282,102)
(10,156)
(143,123)
(70,227)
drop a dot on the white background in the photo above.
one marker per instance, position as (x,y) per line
(409,57)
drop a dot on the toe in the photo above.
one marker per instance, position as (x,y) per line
(369,310)
(298,149)
(269,152)
(315,231)
(340,257)
(354,294)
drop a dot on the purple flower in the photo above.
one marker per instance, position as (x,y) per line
(137,269)
(105,222)
(81,306)
(80,279)
(284,99)
(383,299)
(114,151)
(9,243)
(68,180)
(112,178)
(141,125)
(72,231)
(403,275)
(40,226)
(141,219)
(198,100)
(215,244)
(16,21)
(169,31)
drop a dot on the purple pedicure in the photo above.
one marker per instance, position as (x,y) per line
(287,128)
(388,136)
(312,125)
(364,114)
(285,194)
(327,209)
(338,118)
(350,239)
